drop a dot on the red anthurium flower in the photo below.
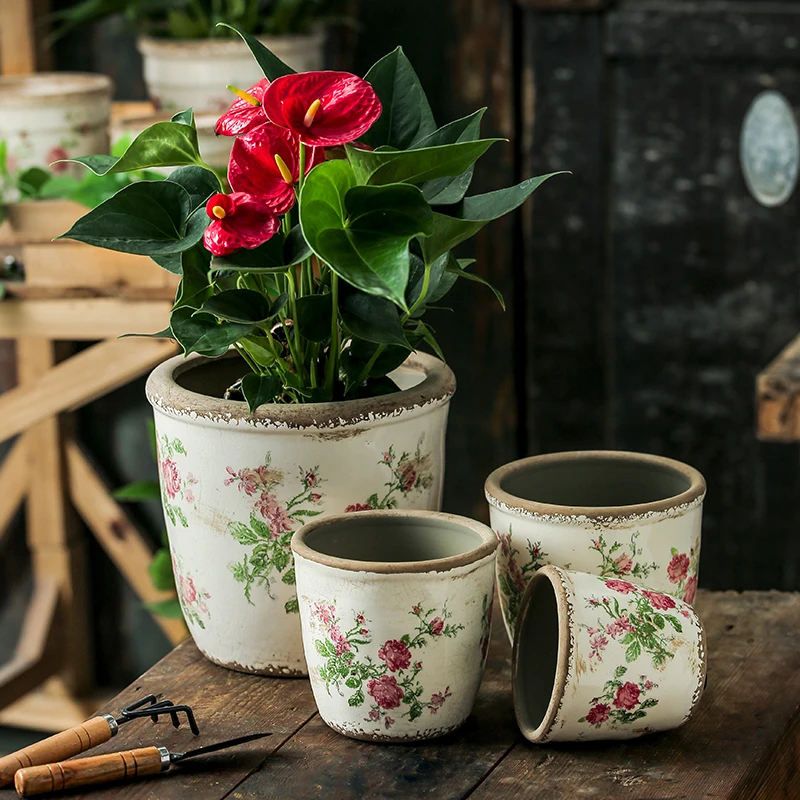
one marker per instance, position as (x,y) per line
(246,112)
(266,163)
(239,220)
(322,108)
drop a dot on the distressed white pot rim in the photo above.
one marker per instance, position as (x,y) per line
(164,392)
(486,548)
(497,496)
(24,90)
(199,48)
(551,574)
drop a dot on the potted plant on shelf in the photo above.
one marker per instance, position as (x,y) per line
(302,305)
(189,57)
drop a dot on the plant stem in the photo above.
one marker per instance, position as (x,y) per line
(302,172)
(332,367)
(244,354)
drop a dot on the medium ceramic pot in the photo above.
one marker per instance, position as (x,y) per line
(396,612)
(614,514)
(600,658)
(194,72)
(51,116)
(235,486)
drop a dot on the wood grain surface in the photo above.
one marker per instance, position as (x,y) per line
(743,743)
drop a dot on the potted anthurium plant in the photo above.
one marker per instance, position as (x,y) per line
(305,282)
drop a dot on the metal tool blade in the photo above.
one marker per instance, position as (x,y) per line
(212,748)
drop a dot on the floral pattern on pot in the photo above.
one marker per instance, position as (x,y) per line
(682,571)
(390,681)
(513,574)
(192,600)
(621,564)
(272,523)
(177,489)
(486,635)
(407,474)
(622,702)
(641,620)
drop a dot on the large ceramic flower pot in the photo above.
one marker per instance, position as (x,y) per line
(52,116)
(236,485)
(183,73)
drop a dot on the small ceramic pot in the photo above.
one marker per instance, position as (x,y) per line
(194,72)
(395,608)
(613,514)
(236,485)
(601,658)
(48,117)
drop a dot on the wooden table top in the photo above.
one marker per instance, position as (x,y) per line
(743,742)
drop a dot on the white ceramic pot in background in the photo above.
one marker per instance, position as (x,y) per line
(396,612)
(194,72)
(610,513)
(600,658)
(51,116)
(235,486)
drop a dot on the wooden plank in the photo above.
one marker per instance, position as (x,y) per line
(41,221)
(41,645)
(123,542)
(709,31)
(78,380)
(564,233)
(227,704)
(20,290)
(73,264)
(743,742)
(778,397)
(77,320)
(17,41)
(56,545)
(14,480)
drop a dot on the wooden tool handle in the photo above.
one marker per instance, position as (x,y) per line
(56,748)
(124,765)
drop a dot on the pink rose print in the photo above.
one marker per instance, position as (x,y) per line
(385,691)
(624,564)
(171,478)
(387,457)
(436,626)
(663,602)
(395,654)
(516,574)
(408,478)
(437,700)
(373,716)
(648,685)
(310,479)
(279,522)
(619,627)
(597,643)
(324,613)
(187,589)
(598,714)
(627,696)
(315,497)
(691,590)
(339,640)
(505,542)
(388,722)
(678,568)
(623,587)
(357,507)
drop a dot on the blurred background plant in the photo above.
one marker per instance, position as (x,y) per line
(197,19)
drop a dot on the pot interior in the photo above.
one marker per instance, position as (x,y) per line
(213,377)
(392,539)
(595,481)
(537,644)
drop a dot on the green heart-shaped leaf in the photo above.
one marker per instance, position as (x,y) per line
(374,319)
(199,182)
(314,316)
(260,389)
(455,267)
(362,232)
(267,258)
(472,213)
(184,117)
(203,334)
(165,144)
(270,64)
(379,168)
(406,114)
(149,218)
(243,305)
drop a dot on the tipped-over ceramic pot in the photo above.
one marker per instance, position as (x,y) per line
(613,514)
(601,658)
(395,608)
